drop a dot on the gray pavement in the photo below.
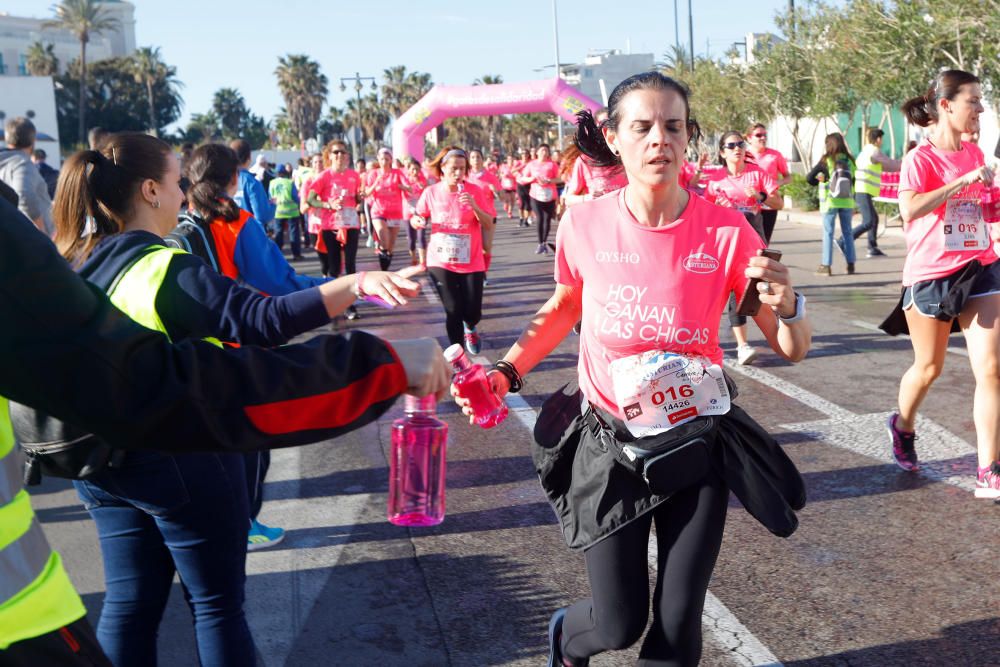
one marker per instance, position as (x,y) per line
(887,568)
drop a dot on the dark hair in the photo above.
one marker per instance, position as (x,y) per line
(39,154)
(19,132)
(96,137)
(753,127)
(922,110)
(242,149)
(477,152)
(211,169)
(835,147)
(96,189)
(722,143)
(589,138)
(435,164)
(874,134)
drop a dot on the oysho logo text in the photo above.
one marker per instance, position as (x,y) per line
(615,257)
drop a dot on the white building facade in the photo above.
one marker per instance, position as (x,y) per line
(601,71)
(17,33)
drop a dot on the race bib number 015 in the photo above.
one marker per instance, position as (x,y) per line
(963,227)
(658,391)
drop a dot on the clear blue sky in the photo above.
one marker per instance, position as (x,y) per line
(217,43)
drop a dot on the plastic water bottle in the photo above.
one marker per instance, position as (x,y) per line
(417,465)
(991,203)
(488,409)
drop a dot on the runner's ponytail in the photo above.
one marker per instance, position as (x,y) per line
(212,169)
(590,140)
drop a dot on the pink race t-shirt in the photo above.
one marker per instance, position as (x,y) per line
(646,288)
(328,186)
(586,178)
(941,242)
(417,186)
(485,180)
(770,162)
(456,241)
(730,191)
(508,179)
(535,170)
(386,193)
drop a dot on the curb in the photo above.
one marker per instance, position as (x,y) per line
(815,219)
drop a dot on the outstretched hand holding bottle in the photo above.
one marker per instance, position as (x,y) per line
(473,390)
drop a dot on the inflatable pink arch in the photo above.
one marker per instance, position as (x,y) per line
(443,102)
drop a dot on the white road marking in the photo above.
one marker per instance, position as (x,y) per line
(944,457)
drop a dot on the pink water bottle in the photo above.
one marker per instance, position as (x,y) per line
(417,465)
(991,203)
(488,409)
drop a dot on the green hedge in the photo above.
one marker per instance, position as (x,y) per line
(803,195)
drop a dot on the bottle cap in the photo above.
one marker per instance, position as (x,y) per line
(453,353)
(420,404)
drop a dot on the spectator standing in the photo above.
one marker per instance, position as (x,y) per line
(17,171)
(49,175)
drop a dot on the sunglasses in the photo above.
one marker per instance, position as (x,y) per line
(761,135)
(733,145)
(338,152)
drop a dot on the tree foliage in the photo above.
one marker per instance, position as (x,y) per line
(41,60)
(304,90)
(117,101)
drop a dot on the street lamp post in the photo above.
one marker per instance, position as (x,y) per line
(555,34)
(359,149)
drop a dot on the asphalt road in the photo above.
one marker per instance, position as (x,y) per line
(887,568)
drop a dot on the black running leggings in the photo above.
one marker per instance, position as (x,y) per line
(462,296)
(331,265)
(688,538)
(544,211)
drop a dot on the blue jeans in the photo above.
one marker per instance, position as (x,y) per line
(869,219)
(295,229)
(845,232)
(158,514)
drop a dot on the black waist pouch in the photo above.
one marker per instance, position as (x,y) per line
(668,462)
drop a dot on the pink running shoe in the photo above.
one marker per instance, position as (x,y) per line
(903,450)
(988,481)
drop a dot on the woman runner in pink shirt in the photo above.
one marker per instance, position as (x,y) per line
(478,175)
(456,212)
(773,163)
(746,188)
(508,185)
(417,237)
(951,275)
(541,176)
(383,189)
(648,271)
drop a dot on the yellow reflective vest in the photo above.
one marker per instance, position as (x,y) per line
(868,177)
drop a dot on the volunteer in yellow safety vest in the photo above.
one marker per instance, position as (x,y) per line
(867,178)
(66,350)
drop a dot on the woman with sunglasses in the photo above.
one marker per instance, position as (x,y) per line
(746,188)
(384,187)
(456,213)
(774,165)
(335,193)
(625,265)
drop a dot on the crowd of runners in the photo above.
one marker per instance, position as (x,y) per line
(643,231)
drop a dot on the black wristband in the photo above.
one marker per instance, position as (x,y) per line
(510,372)
(763,196)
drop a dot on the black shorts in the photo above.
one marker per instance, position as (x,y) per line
(927,295)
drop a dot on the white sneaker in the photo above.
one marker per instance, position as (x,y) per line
(746,355)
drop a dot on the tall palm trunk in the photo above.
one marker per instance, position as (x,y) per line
(82,127)
(152,107)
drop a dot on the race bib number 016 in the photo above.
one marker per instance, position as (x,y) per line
(346,218)
(658,391)
(452,248)
(963,227)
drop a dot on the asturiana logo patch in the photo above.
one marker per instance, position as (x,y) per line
(699,262)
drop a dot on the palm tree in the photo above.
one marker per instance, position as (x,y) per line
(149,70)
(304,88)
(83,18)
(491,121)
(40,60)
(402,89)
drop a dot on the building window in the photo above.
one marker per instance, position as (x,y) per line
(22,65)
(3,68)
(588,73)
